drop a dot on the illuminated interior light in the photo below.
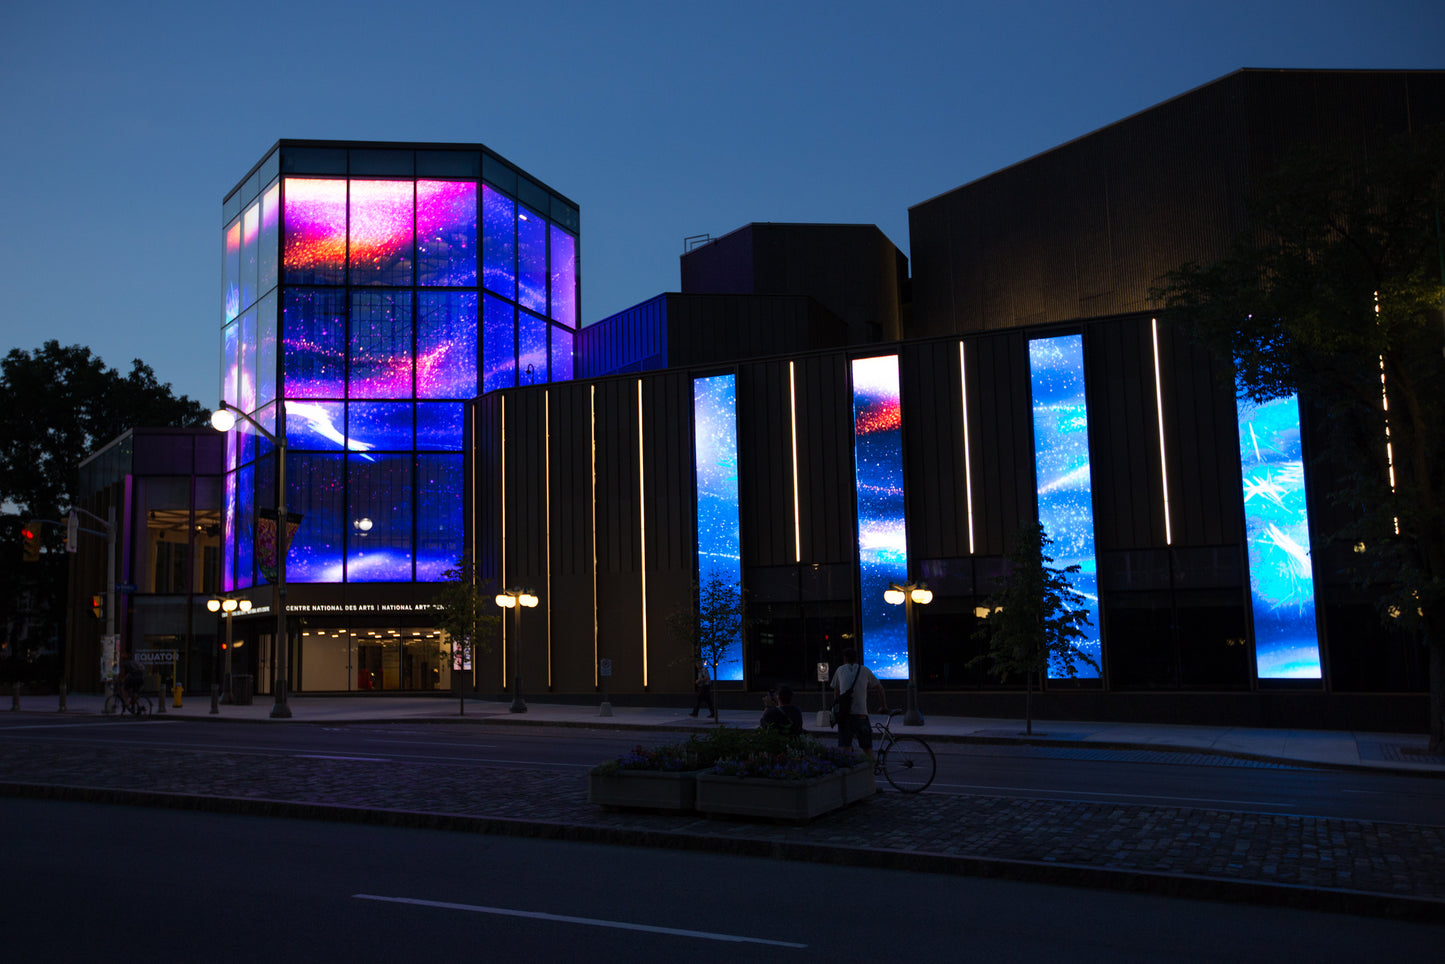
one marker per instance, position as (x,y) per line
(642,527)
(793,430)
(967,456)
(1159,410)
(592,441)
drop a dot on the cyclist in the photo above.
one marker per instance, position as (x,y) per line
(132,678)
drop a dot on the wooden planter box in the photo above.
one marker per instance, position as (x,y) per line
(644,789)
(783,799)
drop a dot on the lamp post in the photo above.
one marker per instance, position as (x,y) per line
(907,595)
(224,419)
(228,606)
(515,599)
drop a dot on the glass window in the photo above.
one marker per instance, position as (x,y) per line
(314,321)
(379,518)
(231,270)
(446,231)
(247,392)
(314,251)
(382,232)
(230,363)
(439,515)
(499,242)
(250,254)
(380,345)
(266,349)
(561,355)
(384,426)
(439,426)
(531,260)
(531,349)
(446,344)
(315,483)
(499,332)
(245,525)
(270,235)
(564,277)
(315,425)
(228,545)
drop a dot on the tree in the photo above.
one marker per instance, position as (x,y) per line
(1034,619)
(711,631)
(467,612)
(1336,294)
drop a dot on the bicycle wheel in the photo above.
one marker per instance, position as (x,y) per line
(908,764)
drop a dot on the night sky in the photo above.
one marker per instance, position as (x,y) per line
(125,124)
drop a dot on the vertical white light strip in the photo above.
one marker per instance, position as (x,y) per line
(1159,411)
(642,527)
(793,428)
(504,534)
(547,520)
(592,439)
(967,454)
(1385,405)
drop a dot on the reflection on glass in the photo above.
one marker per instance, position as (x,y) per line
(439,515)
(270,235)
(719,538)
(378,540)
(315,482)
(446,233)
(315,345)
(561,355)
(1061,466)
(382,232)
(446,344)
(231,270)
(499,332)
(531,260)
(499,242)
(380,345)
(1277,532)
(564,277)
(314,250)
(882,535)
(250,254)
(266,350)
(247,391)
(531,349)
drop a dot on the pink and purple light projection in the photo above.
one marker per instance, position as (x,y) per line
(315,246)
(446,233)
(882,532)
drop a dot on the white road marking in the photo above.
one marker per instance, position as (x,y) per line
(324,756)
(1013,791)
(589,921)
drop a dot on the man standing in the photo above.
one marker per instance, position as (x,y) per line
(703,683)
(851,685)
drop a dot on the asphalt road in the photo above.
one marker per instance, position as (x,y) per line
(89,882)
(1052,773)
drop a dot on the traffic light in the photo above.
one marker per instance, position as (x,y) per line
(97,606)
(30,534)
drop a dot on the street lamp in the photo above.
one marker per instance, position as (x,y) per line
(515,599)
(228,607)
(223,419)
(907,595)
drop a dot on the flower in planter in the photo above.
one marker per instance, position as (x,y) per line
(670,758)
(800,760)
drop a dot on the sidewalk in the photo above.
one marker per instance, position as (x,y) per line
(1333,864)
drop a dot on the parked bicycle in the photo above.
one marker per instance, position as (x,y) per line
(905,761)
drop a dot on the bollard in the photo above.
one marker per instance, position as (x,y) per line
(177,694)
(215,698)
(15,699)
(62,697)
(461,706)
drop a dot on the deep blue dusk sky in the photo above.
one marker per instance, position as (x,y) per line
(125,124)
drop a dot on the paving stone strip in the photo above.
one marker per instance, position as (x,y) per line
(1353,865)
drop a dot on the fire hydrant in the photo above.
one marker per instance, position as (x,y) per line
(176,693)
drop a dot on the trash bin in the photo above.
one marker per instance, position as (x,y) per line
(243,685)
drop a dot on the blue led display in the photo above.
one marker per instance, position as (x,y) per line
(439,515)
(379,537)
(499,345)
(1281,579)
(245,526)
(266,350)
(228,529)
(379,426)
(315,482)
(1061,468)
(499,243)
(715,462)
(561,355)
(531,349)
(531,260)
(247,391)
(380,344)
(314,343)
(882,535)
(446,344)
(439,426)
(316,426)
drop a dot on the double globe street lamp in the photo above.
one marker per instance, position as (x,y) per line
(228,607)
(515,599)
(906,595)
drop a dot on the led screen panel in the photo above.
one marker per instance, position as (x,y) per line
(245,527)
(882,536)
(438,515)
(314,249)
(383,232)
(564,277)
(499,242)
(561,355)
(499,346)
(270,236)
(1281,578)
(446,233)
(315,426)
(715,466)
(266,350)
(228,530)
(531,260)
(314,344)
(531,349)
(378,540)
(247,385)
(231,363)
(231,270)
(315,488)
(380,345)
(1061,470)
(383,426)
(439,426)
(446,344)
(251,254)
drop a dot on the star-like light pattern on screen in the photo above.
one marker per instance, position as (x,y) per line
(446,233)
(383,219)
(882,532)
(719,537)
(1277,533)
(315,246)
(564,277)
(1061,468)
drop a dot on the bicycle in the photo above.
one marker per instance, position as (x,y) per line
(905,761)
(121,703)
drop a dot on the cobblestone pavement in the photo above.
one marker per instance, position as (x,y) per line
(1348,865)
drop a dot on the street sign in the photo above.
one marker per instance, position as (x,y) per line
(125,587)
(72,532)
(156,656)
(822,672)
(604,667)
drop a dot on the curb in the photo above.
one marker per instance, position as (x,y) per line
(1360,903)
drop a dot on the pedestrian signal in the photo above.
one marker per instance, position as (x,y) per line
(97,606)
(30,536)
